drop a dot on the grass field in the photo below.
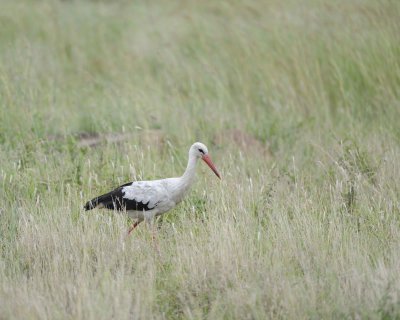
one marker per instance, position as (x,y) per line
(298,102)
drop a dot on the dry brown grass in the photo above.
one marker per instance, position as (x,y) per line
(298,102)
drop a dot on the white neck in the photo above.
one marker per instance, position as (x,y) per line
(187,178)
(185,181)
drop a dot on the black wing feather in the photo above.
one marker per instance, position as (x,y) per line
(115,200)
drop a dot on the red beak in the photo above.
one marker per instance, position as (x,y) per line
(206,158)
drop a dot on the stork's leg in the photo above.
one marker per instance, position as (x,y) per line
(151,224)
(133,226)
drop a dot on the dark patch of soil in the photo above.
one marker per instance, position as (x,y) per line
(155,138)
(241,139)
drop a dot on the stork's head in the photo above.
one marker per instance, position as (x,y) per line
(199,150)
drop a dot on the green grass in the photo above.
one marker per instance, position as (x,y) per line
(306,221)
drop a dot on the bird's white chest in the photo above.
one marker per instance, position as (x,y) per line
(178,189)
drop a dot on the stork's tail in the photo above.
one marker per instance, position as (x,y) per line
(99,202)
(91,204)
(111,200)
(95,203)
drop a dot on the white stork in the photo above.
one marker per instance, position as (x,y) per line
(145,200)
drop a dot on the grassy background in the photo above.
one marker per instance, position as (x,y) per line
(299,104)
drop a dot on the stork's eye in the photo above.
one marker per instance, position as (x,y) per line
(202,151)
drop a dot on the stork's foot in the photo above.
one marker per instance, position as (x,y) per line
(155,245)
(154,241)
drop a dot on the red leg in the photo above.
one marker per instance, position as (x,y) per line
(154,237)
(133,226)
